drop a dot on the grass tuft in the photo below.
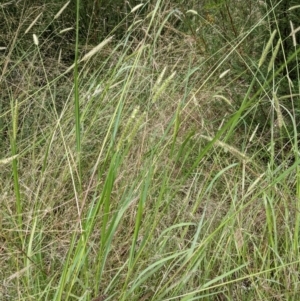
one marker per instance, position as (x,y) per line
(165,166)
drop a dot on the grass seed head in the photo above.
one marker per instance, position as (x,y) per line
(293,33)
(278,111)
(274,55)
(8,160)
(32,23)
(137,7)
(163,87)
(267,48)
(61,10)
(35,40)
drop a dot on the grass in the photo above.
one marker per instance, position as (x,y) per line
(161,166)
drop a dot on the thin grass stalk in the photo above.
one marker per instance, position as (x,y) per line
(14,151)
(297,211)
(78,139)
(297,217)
(76,96)
(176,127)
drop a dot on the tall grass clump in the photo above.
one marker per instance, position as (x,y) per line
(154,159)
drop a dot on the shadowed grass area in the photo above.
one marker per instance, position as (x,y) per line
(161,165)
